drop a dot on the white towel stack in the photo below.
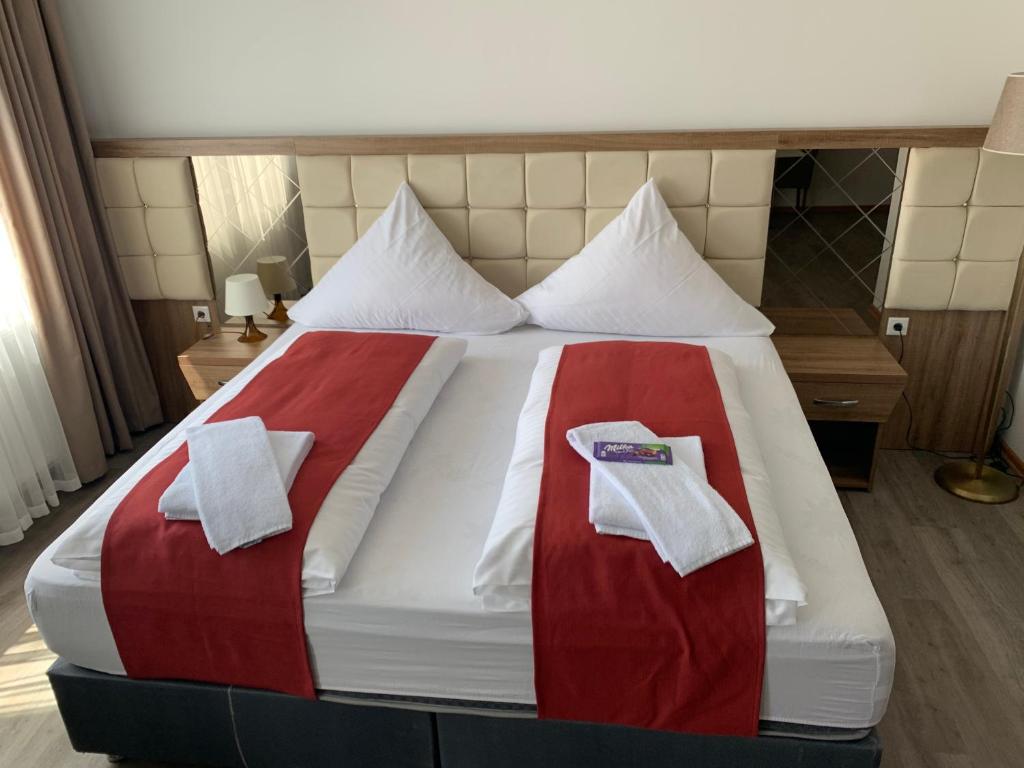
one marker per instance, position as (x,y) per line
(237,481)
(689,524)
(610,513)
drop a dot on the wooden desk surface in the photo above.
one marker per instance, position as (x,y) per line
(838,358)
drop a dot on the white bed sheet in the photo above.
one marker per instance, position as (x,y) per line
(405,621)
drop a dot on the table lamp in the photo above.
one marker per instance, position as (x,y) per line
(274,276)
(971,478)
(244,297)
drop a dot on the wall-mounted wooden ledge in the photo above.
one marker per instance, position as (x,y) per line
(469,143)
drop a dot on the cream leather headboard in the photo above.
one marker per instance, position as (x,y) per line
(516,217)
(154,219)
(960,231)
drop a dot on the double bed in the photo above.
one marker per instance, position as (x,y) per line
(404,627)
(408,665)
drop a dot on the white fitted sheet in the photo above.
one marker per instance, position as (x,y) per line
(405,622)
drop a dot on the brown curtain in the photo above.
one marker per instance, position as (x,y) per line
(89,341)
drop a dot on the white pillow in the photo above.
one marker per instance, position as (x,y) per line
(404,274)
(641,276)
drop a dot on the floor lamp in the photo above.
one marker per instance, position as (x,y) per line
(972,479)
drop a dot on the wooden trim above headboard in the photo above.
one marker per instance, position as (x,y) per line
(472,143)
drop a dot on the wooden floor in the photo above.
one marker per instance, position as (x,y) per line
(950,575)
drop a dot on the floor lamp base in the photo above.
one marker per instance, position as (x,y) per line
(961,478)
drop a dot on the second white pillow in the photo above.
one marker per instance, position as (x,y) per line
(641,276)
(403,274)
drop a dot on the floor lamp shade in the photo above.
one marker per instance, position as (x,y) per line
(1006,134)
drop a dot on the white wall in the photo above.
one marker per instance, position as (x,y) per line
(264,67)
(234,68)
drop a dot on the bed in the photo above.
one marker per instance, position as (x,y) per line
(403,645)
(408,667)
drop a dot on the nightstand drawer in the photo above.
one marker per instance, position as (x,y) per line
(847,401)
(204,380)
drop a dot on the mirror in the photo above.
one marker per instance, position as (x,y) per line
(251,208)
(831,229)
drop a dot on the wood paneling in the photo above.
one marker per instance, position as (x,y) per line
(168,330)
(823,138)
(948,356)
(190,147)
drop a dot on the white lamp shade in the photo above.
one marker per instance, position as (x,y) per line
(243,295)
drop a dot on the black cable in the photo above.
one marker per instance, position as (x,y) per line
(1012,413)
(995,455)
(910,419)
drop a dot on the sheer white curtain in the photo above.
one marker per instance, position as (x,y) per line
(35,461)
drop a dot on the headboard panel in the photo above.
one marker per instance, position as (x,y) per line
(516,217)
(154,221)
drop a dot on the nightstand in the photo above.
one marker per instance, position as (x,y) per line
(209,363)
(848,387)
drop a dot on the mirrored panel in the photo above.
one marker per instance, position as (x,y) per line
(832,227)
(251,208)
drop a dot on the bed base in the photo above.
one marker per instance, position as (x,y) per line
(184,722)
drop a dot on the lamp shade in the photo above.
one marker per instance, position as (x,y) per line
(273,273)
(243,295)
(1006,134)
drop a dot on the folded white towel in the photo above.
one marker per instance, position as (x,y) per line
(290,449)
(611,514)
(689,523)
(239,491)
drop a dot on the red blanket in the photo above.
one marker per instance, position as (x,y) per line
(178,609)
(618,636)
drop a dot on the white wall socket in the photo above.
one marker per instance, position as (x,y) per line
(201,313)
(890,326)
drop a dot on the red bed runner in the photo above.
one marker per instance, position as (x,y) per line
(618,636)
(178,610)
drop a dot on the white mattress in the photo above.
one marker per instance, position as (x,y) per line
(405,622)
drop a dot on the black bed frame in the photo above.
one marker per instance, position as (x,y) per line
(184,722)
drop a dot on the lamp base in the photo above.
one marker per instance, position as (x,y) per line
(251,334)
(961,478)
(279,314)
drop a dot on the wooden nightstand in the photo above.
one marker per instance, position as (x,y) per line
(210,363)
(848,387)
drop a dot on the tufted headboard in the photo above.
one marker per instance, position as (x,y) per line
(154,220)
(961,230)
(517,216)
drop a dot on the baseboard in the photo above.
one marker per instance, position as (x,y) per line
(1011,458)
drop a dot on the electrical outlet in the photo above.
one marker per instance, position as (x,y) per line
(892,330)
(201,313)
